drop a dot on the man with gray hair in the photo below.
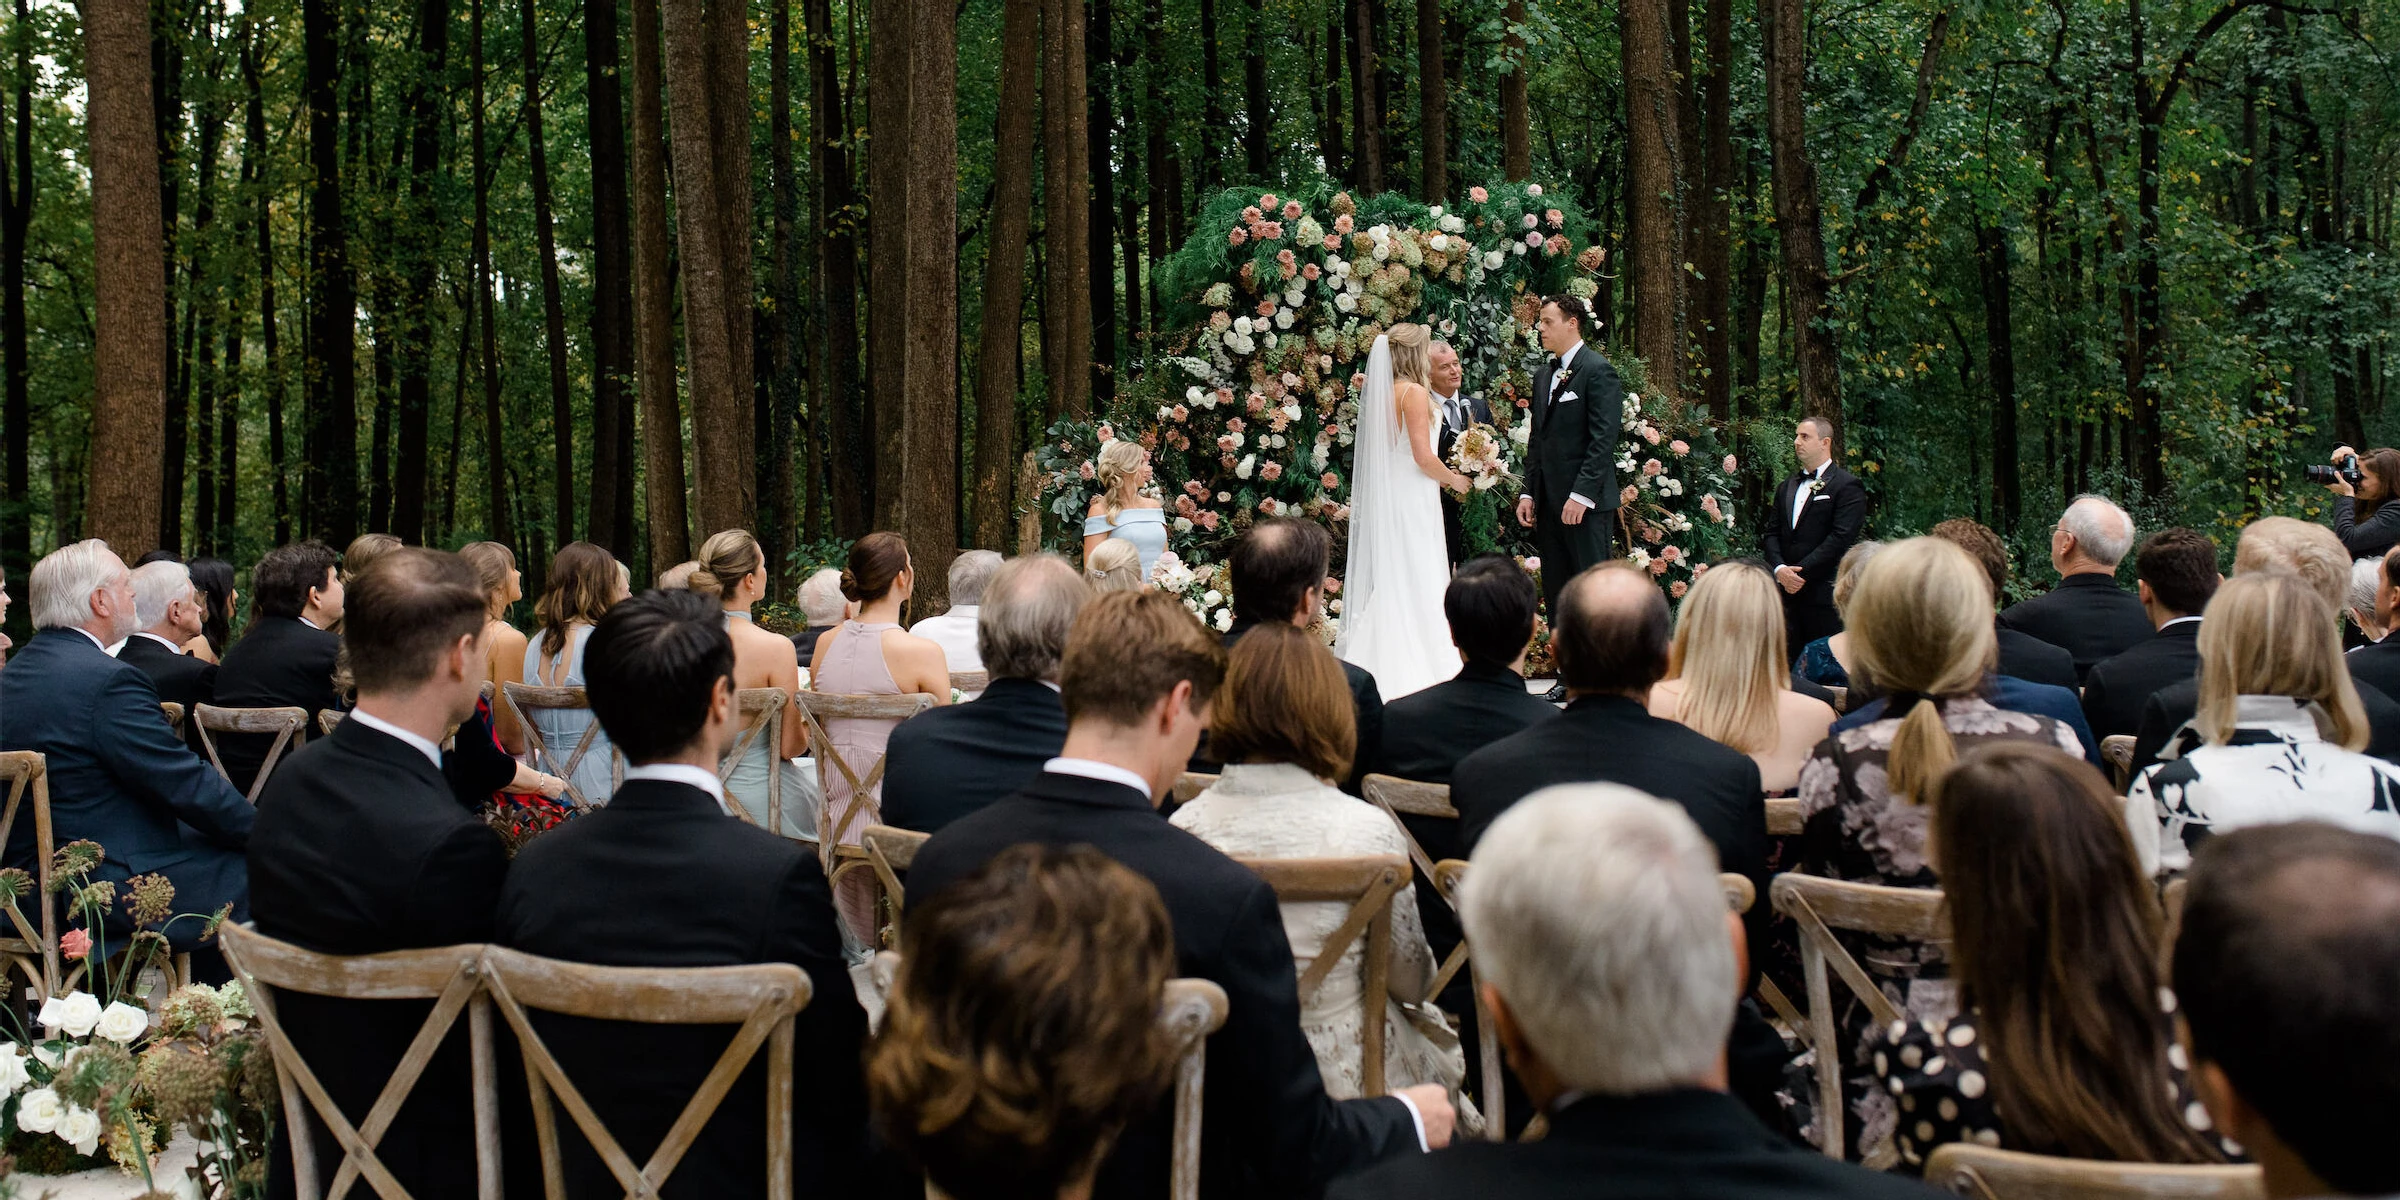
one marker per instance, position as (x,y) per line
(945,763)
(169,612)
(1611,970)
(2087,614)
(955,630)
(117,775)
(823,606)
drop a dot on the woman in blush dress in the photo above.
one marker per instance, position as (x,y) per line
(1122,511)
(579,591)
(871,654)
(1726,677)
(733,572)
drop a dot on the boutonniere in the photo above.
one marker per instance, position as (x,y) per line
(1816,486)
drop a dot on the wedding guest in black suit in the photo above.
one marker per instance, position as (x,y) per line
(1137,678)
(1278,571)
(287,657)
(168,609)
(2022,656)
(664,876)
(2087,614)
(1818,515)
(1490,605)
(822,605)
(2176,573)
(363,847)
(1459,410)
(2379,664)
(945,763)
(117,775)
(1617,1027)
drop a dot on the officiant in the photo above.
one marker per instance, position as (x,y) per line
(1458,410)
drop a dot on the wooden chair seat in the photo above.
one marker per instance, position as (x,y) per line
(1841,698)
(288,726)
(524,699)
(1367,885)
(1986,1173)
(970,682)
(1821,906)
(2117,751)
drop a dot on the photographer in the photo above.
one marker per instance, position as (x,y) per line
(2365,515)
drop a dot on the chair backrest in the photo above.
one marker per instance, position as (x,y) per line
(1986,1173)
(762,711)
(32,952)
(174,715)
(328,720)
(2117,751)
(1395,796)
(1783,818)
(970,682)
(816,708)
(450,976)
(1192,783)
(1821,906)
(1841,698)
(287,725)
(760,998)
(1366,884)
(525,699)
(889,852)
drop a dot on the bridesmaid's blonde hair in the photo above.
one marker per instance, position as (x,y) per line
(1116,461)
(1412,352)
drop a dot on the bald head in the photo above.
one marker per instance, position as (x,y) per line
(2092,535)
(1613,631)
(2309,551)
(1278,570)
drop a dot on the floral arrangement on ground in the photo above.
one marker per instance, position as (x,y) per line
(1249,406)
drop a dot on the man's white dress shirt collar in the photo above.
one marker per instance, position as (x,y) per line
(95,638)
(683,773)
(1091,769)
(160,640)
(305,621)
(423,744)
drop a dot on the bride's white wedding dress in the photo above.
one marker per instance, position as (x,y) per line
(1392,622)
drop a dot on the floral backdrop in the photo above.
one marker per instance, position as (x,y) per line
(1249,406)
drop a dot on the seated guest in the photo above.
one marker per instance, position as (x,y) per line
(666,877)
(2287,964)
(822,605)
(2361,627)
(2087,614)
(2021,655)
(1021,1034)
(117,775)
(945,763)
(504,645)
(2317,557)
(287,657)
(1137,679)
(1283,725)
(363,551)
(1278,573)
(1115,567)
(2378,666)
(213,579)
(2060,1045)
(362,847)
(2364,515)
(1921,626)
(2277,737)
(1727,679)
(2175,574)
(954,631)
(1616,1025)
(733,571)
(5,644)
(678,577)
(1490,606)
(168,610)
(577,592)
(1826,661)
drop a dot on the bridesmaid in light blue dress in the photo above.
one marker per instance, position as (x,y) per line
(1123,511)
(581,588)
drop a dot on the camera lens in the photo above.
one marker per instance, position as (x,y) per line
(2320,473)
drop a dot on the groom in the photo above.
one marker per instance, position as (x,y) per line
(1458,411)
(1570,499)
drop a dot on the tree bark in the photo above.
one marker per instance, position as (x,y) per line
(784,322)
(16,408)
(611,514)
(203,306)
(254,158)
(1807,303)
(913,213)
(554,313)
(1366,130)
(1260,136)
(654,318)
(837,219)
(129,352)
(1004,280)
(1653,199)
(167,36)
(497,523)
(1066,187)
(714,267)
(1516,120)
(1329,137)
(1711,310)
(330,473)
(1212,112)
(1101,223)
(2000,359)
(420,251)
(1433,105)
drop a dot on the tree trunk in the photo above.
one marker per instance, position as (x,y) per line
(784,322)
(1366,129)
(1158,122)
(611,514)
(1100,225)
(254,157)
(554,314)
(497,523)
(168,34)
(16,408)
(330,474)
(913,209)
(1712,241)
(420,249)
(712,265)
(1433,105)
(1260,136)
(1212,112)
(1654,206)
(1807,291)
(203,306)
(129,351)
(2000,357)
(654,318)
(837,219)
(1337,157)
(1516,120)
(1004,280)
(1066,185)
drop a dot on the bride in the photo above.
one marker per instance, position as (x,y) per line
(1392,621)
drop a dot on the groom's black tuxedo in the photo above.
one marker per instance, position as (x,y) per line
(1815,543)
(1446,439)
(1577,421)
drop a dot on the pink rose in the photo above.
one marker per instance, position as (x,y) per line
(1267,201)
(1699,569)
(1271,472)
(1330,480)
(1105,431)
(1533,564)
(1176,440)
(1085,470)
(1290,380)
(1730,465)
(1224,395)
(1284,256)
(1533,241)
(1478,195)
(1333,241)
(1180,413)
(1678,588)
(1649,435)
(1672,554)
(1343,224)
(1266,308)
(1227,444)
(1270,231)
(1531,220)
(1358,381)
(1291,210)
(1208,520)
(1195,489)
(1186,506)
(1333,586)
(1651,467)
(1252,215)
(1310,271)
(1680,447)
(1630,494)
(1557,219)
(1708,504)
(1235,237)
(1235,425)
(1556,246)
(74,943)
(1658,566)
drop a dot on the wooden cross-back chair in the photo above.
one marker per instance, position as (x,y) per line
(816,708)
(329,720)
(1190,784)
(31,952)
(760,998)
(2117,751)
(1367,885)
(449,976)
(762,713)
(1986,1173)
(288,726)
(1395,796)
(1841,698)
(524,699)
(970,682)
(174,714)
(889,852)
(1820,906)
(1783,817)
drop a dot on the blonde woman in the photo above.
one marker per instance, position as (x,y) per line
(2280,730)
(1827,661)
(1121,510)
(732,570)
(503,647)
(1115,567)
(1726,678)
(1920,628)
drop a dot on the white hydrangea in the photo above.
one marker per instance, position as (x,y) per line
(1434,213)
(1437,242)
(1534,190)
(1454,224)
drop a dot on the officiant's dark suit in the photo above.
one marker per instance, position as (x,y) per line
(1814,541)
(1457,412)
(362,846)
(945,763)
(1270,1130)
(1578,417)
(281,662)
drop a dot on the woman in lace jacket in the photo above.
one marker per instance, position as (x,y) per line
(1284,726)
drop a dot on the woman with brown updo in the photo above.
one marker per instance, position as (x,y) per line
(870,655)
(1021,1036)
(732,570)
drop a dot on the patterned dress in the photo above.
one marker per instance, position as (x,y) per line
(2277,766)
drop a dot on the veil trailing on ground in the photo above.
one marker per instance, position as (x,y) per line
(1392,621)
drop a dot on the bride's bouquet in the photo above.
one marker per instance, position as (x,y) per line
(1481,454)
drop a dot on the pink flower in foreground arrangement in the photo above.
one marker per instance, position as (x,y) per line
(1291,210)
(1708,504)
(1556,246)
(1208,520)
(1533,241)
(1085,470)
(1333,586)
(1344,225)
(1651,466)
(1531,220)
(1731,465)
(1478,195)
(1310,271)
(1557,219)
(1672,554)
(1330,480)
(1533,564)
(1678,588)
(1680,447)
(1236,237)
(74,943)
(1252,215)
(1658,566)
(1266,308)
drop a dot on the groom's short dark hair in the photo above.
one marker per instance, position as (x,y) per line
(1275,564)
(1573,308)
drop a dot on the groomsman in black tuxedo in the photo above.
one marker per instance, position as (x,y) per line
(169,611)
(2176,572)
(1816,518)
(1458,411)
(1570,500)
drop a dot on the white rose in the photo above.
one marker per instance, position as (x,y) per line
(1241,324)
(1291,410)
(1249,463)
(1193,394)
(1533,189)
(1383,250)
(80,1128)
(38,1111)
(76,1014)
(121,1023)
(1224,620)
(1212,598)
(1454,224)
(1380,232)
(1437,242)
(1435,212)
(12,1069)
(1346,302)
(1232,339)
(1183,525)
(1517,249)
(1283,318)
(1270,339)
(1492,260)
(1297,296)
(1223,497)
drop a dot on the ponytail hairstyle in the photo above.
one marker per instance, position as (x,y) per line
(724,559)
(581,587)
(1116,462)
(492,562)
(1921,625)
(876,562)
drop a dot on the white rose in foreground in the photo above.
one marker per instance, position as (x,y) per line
(121,1023)
(81,1128)
(1437,242)
(38,1111)
(76,1014)
(12,1068)
(1435,212)
(1224,620)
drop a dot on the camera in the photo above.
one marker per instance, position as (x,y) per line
(2347,472)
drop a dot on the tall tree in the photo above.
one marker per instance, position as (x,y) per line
(1711,310)
(420,251)
(1066,188)
(1212,112)
(1004,278)
(498,523)
(129,348)
(712,218)
(1366,130)
(262,227)
(837,218)
(1516,115)
(1653,201)
(784,314)
(330,472)
(1101,222)
(1807,289)
(16,218)
(554,312)
(1260,136)
(1433,104)
(611,515)
(654,317)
